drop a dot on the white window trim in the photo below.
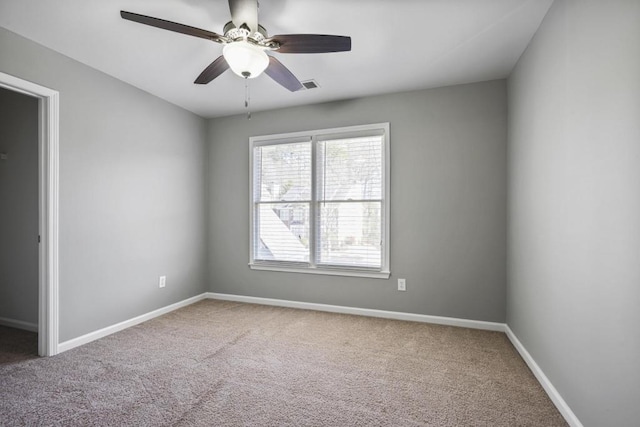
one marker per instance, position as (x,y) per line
(312,135)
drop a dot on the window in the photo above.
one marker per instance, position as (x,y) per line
(319,201)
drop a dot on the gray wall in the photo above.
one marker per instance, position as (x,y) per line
(132,192)
(574,236)
(448,203)
(19,207)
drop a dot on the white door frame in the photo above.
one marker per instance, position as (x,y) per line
(48,152)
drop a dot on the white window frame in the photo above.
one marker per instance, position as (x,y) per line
(314,136)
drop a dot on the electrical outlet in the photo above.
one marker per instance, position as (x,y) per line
(162,282)
(402,284)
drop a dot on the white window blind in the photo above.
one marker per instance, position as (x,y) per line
(319,201)
(282,194)
(349,188)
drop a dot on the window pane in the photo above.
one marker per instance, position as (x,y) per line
(350,169)
(320,201)
(282,172)
(283,232)
(350,234)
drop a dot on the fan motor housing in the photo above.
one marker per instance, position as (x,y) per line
(233,32)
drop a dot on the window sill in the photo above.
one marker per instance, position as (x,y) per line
(323,271)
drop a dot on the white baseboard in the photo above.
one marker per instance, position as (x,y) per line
(449,321)
(92,336)
(19,324)
(555,397)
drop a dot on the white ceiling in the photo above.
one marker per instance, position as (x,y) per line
(397,45)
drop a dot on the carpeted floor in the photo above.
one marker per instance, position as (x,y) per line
(17,345)
(218,363)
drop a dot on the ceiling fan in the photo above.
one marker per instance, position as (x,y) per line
(246,44)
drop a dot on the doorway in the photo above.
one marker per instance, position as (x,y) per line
(47,134)
(19,227)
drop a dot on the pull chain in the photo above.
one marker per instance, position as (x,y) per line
(247,98)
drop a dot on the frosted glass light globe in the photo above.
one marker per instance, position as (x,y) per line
(244,59)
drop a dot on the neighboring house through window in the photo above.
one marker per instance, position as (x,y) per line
(320,201)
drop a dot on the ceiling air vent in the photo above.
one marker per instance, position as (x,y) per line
(310,84)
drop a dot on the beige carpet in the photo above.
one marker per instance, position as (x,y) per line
(17,345)
(220,363)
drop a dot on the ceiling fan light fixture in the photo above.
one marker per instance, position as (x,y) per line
(245,59)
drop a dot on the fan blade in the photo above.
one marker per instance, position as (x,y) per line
(214,69)
(244,12)
(282,75)
(172,26)
(311,43)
